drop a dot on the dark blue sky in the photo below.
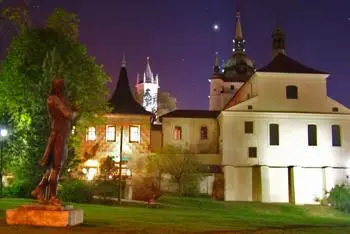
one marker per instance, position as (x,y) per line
(178,37)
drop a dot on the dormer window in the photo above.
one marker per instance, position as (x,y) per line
(292,92)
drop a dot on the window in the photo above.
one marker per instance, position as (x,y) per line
(110,133)
(336,138)
(134,134)
(250,107)
(204,133)
(312,134)
(252,152)
(335,109)
(292,92)
(274,134)
(178,133)
(248,127)
(91,134)
(232,87)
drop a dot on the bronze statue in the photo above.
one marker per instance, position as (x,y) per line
(61,114)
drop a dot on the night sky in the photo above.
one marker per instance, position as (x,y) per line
(178,37)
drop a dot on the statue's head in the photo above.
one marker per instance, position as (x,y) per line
(57,87)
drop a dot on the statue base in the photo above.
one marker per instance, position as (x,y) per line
(45,215)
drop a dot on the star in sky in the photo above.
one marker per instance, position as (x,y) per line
(216,27)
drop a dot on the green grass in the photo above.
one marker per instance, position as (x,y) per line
(202,214)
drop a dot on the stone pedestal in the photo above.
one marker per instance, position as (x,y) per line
(45,215)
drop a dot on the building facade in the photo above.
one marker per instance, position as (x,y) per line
(270,135)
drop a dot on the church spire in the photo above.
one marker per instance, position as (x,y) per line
(148,75)
(238,41)
(216,63)
(278,42)
(124,60)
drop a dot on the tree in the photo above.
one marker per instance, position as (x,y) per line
(182,167)
(35,56)
(166,103)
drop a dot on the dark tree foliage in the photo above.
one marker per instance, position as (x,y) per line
(34,57)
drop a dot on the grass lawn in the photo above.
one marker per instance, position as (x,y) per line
(184,215)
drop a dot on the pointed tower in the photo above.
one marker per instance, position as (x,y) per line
(228,78)
(147,89)
(278,42)
(122,100)
(239,40)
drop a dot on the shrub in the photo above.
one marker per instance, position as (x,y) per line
(339,198)
(107,188)
(191,186)
(19,189)
(77,191)
(145,189)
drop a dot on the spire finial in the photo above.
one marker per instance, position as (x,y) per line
(239,33)
(216,62)
(148,72)
(238,41)
(278,41)
(138,78)
(124,60)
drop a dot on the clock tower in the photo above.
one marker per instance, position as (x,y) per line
(147,89)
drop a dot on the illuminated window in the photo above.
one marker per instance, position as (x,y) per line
(134,134)
(252,152)
(110,133)
(178,133)
(204,133)
(336,138)
(91,134)
(248,127)
(312,134)
(274,134)
(292,92)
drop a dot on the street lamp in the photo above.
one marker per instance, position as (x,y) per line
(3,134)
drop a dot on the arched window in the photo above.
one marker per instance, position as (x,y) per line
(292,92)
(91,134)
(204,133)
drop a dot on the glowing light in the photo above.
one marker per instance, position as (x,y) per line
(91,163)
(84,170)
(216,27)
(3,132)
(134,133)
(91,173)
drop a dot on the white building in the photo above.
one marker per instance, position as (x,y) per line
(279,138)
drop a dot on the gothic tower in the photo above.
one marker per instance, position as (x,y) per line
(147,89)
(226,80)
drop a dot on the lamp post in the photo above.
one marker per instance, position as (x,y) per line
(3,134)
(120,166)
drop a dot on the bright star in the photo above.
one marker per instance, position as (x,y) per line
(216,27)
